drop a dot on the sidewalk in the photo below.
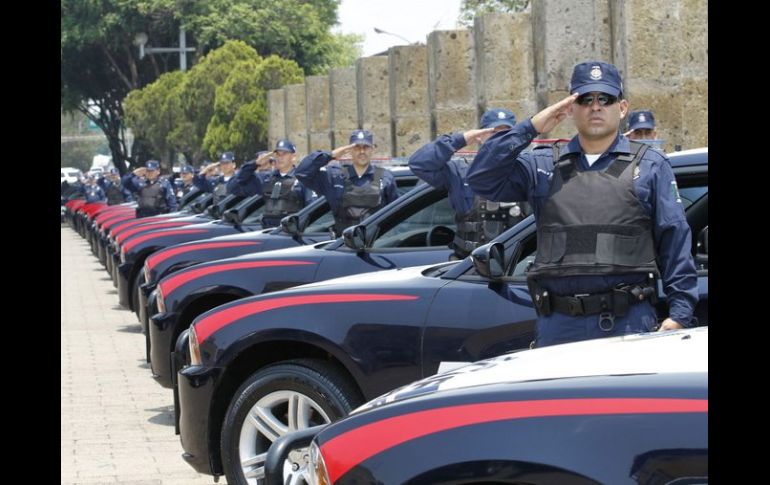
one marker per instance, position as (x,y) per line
(116,422)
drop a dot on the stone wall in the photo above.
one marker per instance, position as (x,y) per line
(522,62)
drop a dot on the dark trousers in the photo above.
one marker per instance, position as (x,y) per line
(559,328)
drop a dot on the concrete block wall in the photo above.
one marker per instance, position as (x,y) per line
(519,61)
(343,100)
(317,113)
(275,114)
(373,93)
(409,111)
(295,113)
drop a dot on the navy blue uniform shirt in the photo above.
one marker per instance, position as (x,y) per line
(433,163)
(503,171)
(209,184)
(331,182)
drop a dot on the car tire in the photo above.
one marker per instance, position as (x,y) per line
(316,392)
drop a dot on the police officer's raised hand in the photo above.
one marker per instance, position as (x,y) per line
(669,324)
(551,116)
(478,135)
(139,172)
(340,152)
(209,168)
(263,160)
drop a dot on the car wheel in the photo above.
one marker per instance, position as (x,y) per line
(274,401)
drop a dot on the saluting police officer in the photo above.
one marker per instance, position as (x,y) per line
(283,193)
(354,191)
(154,195)
(606,208)
(478,220)
(641,127)
(114,190)
(219,185)
(92,191)
(185,181)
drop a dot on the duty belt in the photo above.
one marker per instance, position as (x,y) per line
(615,301)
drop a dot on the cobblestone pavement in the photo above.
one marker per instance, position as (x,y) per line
(116,421)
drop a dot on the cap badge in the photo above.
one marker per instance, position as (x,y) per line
(596,73)
(642,118)
(360,135)
(500,115)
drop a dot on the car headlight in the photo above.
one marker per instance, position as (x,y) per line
(160,301)
(195,350)
(146,273)
(317,473)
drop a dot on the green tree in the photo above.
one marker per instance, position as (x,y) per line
(100,65)
(470,8)
(154,111)
(240,109)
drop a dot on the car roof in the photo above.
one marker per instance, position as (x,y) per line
(680,351)
(695,156)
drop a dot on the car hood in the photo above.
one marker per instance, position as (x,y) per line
(387,276)
(670,352)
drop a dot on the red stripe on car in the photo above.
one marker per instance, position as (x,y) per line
(154,235)
(125,225)
(347,450)
(164,254)
(175,281)
(147,227)
(222,318)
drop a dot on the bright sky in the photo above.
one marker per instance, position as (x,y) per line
(411,19)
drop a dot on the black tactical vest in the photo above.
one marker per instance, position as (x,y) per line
(485,221)
(281,200)
(592,222)
(220,191)
(151,201)
(358,202)
(114,194)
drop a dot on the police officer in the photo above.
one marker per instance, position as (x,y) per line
(606,208)
(219,185)
(113,188)
(154,195)
(283,193)
(354,191)
(185,181)
(641,124)
(478,220)
(92,191)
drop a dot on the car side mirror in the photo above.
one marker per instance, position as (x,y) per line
(231,216)
(355,237)
(290,224)
(489,260)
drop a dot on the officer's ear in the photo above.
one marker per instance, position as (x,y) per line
(623,108)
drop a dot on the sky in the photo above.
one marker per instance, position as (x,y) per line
(410,19)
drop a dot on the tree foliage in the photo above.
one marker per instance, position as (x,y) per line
(240,120)
(100,63)
(470,8)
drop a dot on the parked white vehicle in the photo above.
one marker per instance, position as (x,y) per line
(70,174)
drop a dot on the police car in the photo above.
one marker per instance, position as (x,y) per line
(265,365)
(600,411)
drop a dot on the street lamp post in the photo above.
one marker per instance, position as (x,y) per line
(380,31)
(141,39)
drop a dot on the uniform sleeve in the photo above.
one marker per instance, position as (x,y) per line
(130,182)
(170,197)
(200,181)
(500,170)
(310,175)
(244,185)
(673,242)
(429,162)
(391,190)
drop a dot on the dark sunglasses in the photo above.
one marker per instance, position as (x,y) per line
(588,99)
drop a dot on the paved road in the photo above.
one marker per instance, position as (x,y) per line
(116,422)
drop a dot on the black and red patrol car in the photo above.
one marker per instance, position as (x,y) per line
(601,411)
(350,339)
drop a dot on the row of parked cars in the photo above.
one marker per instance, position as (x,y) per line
(264,332)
